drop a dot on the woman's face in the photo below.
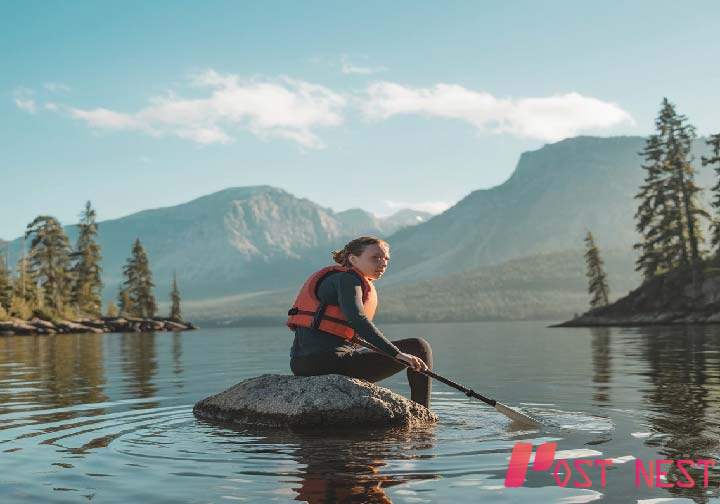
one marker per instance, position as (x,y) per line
(373,261)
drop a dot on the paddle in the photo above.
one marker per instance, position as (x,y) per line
(499,407)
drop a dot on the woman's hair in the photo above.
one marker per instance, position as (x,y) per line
(355,247)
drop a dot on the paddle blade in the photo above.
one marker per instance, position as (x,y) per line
(516,415)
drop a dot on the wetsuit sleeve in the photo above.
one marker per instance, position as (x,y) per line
(350,301)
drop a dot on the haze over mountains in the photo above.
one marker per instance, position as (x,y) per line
(236,240)
(554,196)
(259,243)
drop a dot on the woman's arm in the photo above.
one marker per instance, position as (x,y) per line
(349,289)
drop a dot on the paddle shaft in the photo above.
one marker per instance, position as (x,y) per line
(468,392)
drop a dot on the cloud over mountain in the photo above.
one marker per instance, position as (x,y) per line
(282,108)
(549,118)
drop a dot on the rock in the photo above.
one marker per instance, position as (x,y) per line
(329,400)
(174,326)
(42,323)
(20,327)
(73,327)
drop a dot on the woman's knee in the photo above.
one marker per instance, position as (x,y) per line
(418,347)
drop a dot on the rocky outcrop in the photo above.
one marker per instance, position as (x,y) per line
(665,299)
(97,326)
(329,400)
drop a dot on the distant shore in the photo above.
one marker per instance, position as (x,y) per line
(101,325)
(668,299)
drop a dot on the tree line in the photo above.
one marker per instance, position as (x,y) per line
(54,280)
(669,217)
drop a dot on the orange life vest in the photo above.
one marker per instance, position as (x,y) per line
(309,311)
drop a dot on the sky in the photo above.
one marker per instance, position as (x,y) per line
(378,105)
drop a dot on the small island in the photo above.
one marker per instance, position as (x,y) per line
(35,326)
(681,278)
(57,288)
(664,299)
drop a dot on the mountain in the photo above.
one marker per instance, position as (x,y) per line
(236,240)
(554,196)
(402,219)
(356,221)
(543,286)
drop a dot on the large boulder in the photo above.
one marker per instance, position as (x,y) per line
(328,400)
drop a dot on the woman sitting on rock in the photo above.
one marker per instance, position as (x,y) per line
(338,302)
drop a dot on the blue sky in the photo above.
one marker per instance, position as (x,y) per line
(378,105)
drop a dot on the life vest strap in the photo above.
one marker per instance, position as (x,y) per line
(317,316)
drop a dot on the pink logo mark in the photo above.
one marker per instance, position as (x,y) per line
(520,460)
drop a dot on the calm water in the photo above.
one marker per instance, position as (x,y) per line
(108,418)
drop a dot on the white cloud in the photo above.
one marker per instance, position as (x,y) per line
(24,100)
(348,68)
(433,207)
(282,108)
(108,119)
(26,104)
(56,87)
(549,118)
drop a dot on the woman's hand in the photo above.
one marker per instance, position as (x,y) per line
(413,362)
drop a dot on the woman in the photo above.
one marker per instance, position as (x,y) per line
(339,302)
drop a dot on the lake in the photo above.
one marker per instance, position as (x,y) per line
(108,418)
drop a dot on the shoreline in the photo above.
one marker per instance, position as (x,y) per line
(642,320)
(39,327)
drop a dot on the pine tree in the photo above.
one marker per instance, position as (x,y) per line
(5,284)
(597,280)
(87,283)
(175,313)
(651,210)
(25,285)
(138,282)
(50,260)
(125,304)
(680,137)
(714,143)
(668,212)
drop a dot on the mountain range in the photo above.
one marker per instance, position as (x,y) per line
(249,247)
(236,240)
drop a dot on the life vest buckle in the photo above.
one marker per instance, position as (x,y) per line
(318,316)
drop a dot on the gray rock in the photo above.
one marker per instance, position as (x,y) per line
(174,326)
(329,400)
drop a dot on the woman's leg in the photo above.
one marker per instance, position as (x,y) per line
(373,367)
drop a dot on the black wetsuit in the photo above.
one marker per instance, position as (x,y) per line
(315,352)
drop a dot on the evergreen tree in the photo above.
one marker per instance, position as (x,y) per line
(679,139)
(597,280)
(175,313)
(125,304)
(668,212)
(25,285)
(112,310)
(652,212)
(50,260)
(714,143)
(138,282)
(5,284)
(87,284)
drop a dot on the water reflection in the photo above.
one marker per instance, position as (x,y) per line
(139,363)
(343,465)
(684,379)
(601,360)
(59,371)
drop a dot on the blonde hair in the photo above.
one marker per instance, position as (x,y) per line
(356,247)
